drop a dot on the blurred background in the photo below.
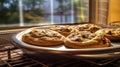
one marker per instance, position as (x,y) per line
(32,12)
(37,12)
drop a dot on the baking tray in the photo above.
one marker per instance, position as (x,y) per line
(106,52)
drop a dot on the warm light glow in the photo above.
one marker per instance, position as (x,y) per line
(72,11)
(52,16)
(21,12)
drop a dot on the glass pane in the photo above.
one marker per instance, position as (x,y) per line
(34,12)
(9,13)
(102,11)
(62,11)
(81,9)
(37,12)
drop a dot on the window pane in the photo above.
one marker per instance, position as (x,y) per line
(62,11)
(102,11)
(37,11)
(9,12)
(81,9)
(34,12)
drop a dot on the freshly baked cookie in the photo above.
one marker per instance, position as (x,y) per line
(88,27)
(43,37)
(86,39)
(63,29)
(112,34)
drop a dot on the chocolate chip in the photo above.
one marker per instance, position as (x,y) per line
(109,32)
(84,36)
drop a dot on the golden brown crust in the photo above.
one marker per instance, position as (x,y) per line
(43,37)
(112,34)
(88,27)
(116,23)
(86,40)
(63,29)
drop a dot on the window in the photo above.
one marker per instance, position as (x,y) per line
(103,11)
(9,12)
(35,12)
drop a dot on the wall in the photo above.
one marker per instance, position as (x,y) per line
(114,11)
